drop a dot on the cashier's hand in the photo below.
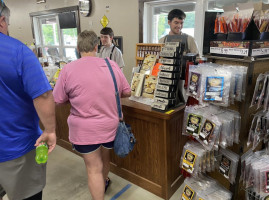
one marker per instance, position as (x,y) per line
(49,138)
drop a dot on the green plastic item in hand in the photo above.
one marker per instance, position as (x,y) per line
(41,153)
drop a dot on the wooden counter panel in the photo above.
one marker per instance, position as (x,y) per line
(154,162)
(175,143)
(149,144)
(62,130)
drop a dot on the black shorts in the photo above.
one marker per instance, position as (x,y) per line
(85,149)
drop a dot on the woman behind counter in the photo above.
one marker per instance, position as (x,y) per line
(87,84)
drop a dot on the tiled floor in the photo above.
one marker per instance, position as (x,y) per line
(67,180)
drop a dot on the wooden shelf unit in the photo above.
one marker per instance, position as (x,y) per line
(143,49)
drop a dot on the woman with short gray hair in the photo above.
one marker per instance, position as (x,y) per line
(87,84)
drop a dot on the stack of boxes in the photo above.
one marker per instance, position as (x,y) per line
(166,94)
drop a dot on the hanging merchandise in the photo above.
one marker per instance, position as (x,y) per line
(212,126)
(192,158)
(237,91)
(194,83)
(228,164)
(201,125)
(256,174)
(192,121)
(204,188)
(263,101)
(217,84)
(258,89)
(243,159)
(259,129)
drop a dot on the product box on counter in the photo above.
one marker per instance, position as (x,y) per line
(169,102)
(170,61)
(163,104)
(166,81)
(164,94)
(170,68)
(167,88)
(171,75)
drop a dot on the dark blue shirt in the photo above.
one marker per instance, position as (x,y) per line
(22,79)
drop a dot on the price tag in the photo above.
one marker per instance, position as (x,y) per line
(229,51)
(260,52)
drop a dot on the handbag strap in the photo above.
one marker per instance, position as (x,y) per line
(116,88)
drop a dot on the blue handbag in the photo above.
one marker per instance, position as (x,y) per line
(124,141)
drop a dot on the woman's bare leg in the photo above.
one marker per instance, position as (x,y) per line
(94,166)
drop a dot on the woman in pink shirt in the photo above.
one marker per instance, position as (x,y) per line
(87,84)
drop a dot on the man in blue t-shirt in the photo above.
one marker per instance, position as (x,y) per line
(25,96)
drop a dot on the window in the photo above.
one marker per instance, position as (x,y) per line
(155,20)
(55,33)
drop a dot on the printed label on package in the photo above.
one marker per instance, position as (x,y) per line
(187,194)
(166,61)
(225,165)
(194,83)
(173,44)
(159,106)
(206,131)
(162,94)
(165,74)
(214,88)
(169,49)
(166,67)
(189,161)
(194,124)
(162,101)
(167,54)
(163,87)
(166,81)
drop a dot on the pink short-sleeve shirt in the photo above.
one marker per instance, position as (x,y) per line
(87,84)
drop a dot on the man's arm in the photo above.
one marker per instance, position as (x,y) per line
(126,94)
(45,108)
(192,45)
(119,58)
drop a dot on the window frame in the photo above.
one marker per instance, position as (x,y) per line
(36,17)
(200,8)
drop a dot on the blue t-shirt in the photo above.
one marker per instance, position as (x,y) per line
(22,79)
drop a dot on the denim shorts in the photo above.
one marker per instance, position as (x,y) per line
(85,149)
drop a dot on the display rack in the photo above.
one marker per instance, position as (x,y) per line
(146,48)
(255,67)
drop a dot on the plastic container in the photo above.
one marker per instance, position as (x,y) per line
(41,153)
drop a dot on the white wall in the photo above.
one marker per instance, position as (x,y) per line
(123,18)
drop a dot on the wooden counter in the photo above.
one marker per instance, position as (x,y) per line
(154,162)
